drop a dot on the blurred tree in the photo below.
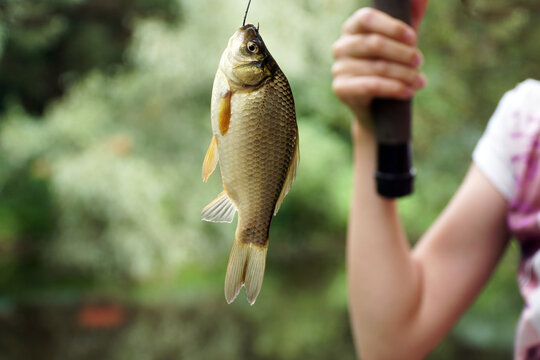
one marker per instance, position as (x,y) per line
(45,46)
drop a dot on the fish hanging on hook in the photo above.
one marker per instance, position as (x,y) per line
(255,141)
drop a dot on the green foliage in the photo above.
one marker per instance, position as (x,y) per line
(46,46)
(100,194)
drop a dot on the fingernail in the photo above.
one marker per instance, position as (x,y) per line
(409,36)
(417,60)
(408,92)
(420,81)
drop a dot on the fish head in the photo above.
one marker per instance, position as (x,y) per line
(246,62)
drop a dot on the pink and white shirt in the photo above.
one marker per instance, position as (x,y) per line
(509,155)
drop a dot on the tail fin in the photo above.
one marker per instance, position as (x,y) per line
(246,267)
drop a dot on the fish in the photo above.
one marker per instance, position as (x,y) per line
(255,142)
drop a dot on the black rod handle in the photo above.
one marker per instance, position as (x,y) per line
(392,119)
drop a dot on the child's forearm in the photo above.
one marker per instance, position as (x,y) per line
(384,282)
(403,302)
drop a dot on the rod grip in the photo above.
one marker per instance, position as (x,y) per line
(392,119)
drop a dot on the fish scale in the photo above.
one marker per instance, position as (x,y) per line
(269,148)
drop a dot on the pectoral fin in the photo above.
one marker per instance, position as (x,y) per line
(210,159)
(222,209)
(291,175)
(224,112)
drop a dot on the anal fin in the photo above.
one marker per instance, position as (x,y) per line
(210,159)
(221,209)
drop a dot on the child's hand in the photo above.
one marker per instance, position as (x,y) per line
(376,56)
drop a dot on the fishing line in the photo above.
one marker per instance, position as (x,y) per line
(245,15)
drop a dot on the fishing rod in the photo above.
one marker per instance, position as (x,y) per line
(392,119)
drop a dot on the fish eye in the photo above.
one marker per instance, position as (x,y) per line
(252,47)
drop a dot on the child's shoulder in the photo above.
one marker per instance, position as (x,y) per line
(520,107)
(510,135)
(529,84)
(526,92)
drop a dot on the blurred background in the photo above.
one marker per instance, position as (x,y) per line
(104,122)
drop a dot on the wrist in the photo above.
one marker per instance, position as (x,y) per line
(362,131)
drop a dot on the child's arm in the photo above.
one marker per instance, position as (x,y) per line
(403,302)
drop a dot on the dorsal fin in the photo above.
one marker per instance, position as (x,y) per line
(291,175)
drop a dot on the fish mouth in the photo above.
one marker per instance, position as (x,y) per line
(250,32)
(250,26)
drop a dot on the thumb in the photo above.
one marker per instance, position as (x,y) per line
(418,8)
